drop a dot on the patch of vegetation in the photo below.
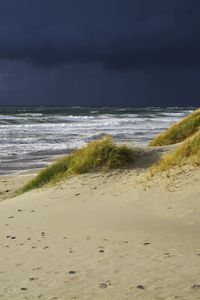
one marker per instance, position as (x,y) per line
(187,152)
(179,131)
(103,154)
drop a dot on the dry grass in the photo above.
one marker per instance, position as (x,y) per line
(179,131)
(187,152)
(103,154)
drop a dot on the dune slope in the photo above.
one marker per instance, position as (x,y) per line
(102,236)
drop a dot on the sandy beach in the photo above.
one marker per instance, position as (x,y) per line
(101,236)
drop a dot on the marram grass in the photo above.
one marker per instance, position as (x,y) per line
(187,152)
(101,153)
(179,131)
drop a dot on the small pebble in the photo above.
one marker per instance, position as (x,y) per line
(23,289)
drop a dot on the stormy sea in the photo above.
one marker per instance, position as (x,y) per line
(32,136)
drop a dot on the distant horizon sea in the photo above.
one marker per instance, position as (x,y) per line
(32,136)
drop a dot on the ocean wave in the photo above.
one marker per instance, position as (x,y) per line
(42,132)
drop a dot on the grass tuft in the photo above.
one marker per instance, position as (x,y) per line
(101,153)
(187,152)
(179,131)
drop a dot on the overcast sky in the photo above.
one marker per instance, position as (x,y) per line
(100,52)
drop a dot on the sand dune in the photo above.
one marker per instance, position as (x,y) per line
(102,236)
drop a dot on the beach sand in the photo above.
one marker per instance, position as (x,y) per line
(101,236)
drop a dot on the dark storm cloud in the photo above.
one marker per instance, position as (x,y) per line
(116,34)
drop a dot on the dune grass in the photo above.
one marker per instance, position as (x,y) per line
(101,153)
(179,131)
(187,152)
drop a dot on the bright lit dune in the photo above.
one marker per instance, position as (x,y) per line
(101,154)
(179,131)
(187,152)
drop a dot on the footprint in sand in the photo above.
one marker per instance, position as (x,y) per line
(32,278)
(146,242)
(11,237)
(140,287)
(101,249)
(72,272)
(195,287)
(167,255)
(36,269)
(105,284)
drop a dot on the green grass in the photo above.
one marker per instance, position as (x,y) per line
(179,131)
(187,152)
(103,154)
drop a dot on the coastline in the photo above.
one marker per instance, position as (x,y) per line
(102,236)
